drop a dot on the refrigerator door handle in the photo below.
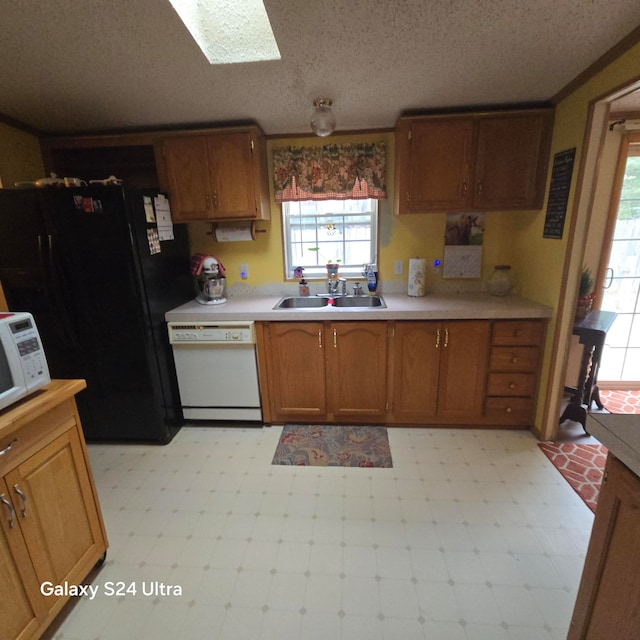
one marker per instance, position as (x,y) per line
(67,334)
(40,255)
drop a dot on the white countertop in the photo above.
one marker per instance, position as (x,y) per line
(447,306)
(620,433)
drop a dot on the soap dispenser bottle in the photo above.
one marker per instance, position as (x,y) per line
(303,288)
(372,278)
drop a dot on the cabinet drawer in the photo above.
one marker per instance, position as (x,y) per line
(517,332)
(524,359)
(21,444)
(509,410)
(511,384)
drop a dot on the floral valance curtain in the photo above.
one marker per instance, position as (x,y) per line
(330,172)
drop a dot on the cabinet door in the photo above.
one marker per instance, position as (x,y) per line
(463,369)
(52,494)
(296,370)
(188,178)
(357,371)
(20,601)
(607,601)
(511,162)
(233,192)
(416,364)
(434,171)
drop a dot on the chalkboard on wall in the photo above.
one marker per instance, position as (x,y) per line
(559,193)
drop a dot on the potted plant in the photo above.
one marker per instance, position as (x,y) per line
(331,265)
(585,294)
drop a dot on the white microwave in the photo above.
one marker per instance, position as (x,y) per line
(23,366)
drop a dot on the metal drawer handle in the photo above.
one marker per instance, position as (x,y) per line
(320,339)
(335,339)
(437,338)
(518,333)
(512,385)
(514,360)
(8,447)
(509,409)
(25,502)
(9,506)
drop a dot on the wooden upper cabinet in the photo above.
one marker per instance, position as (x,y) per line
(511,165)
(219,175)
(478,162)
(188,178)
(434,169)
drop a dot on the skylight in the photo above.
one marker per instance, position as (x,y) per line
(229,31)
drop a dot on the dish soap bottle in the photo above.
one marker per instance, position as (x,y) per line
(303,288)
(372,278)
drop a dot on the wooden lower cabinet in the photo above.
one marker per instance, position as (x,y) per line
(406,372)
(323,371)
(357,371)
(439,371)
(294,382)
(514,370)
(51,528)
(607,602)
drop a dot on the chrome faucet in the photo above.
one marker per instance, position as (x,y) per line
(333,283)
(357,289)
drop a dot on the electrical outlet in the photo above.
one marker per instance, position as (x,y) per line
(244,271)
(398,267)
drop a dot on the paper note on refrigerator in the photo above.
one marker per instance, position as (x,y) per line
(163,217)
(149,214)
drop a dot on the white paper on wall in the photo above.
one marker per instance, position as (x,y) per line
(462,261)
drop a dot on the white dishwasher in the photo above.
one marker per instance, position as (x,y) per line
(217,370)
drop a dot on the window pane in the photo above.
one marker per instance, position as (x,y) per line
(316,232)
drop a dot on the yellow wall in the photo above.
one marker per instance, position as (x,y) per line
(544,259)
(20,158)
(401,237)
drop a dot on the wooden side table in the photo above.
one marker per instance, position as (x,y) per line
(592,332)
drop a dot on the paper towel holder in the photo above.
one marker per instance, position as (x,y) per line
(251,226)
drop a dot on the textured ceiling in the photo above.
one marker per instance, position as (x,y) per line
(97,65)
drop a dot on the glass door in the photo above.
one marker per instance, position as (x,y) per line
(621,358)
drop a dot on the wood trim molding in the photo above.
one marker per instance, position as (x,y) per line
(16,124)
(629,41)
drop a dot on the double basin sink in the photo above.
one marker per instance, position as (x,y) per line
(341,302)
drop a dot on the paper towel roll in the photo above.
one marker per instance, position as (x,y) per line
(417,275)
(235,234)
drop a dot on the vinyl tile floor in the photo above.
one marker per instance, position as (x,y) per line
(472,535)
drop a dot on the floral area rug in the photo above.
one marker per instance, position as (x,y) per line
(620,401)
(333,446)
(581,465)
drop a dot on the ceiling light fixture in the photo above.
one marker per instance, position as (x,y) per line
(323,120)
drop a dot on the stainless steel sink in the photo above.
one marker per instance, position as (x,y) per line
(299,302)
(366,302)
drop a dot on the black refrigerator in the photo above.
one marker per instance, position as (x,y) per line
(85,263)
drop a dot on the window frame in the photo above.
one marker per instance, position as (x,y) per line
(318,271)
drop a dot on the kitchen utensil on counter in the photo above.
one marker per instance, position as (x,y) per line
(211,285)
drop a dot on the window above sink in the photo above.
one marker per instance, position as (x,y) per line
(318,232)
